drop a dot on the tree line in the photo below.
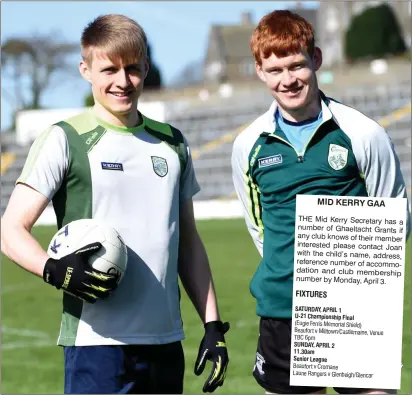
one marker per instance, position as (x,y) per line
(33,64)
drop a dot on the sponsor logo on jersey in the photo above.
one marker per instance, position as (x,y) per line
(270,160)
(338,156)
(159,166)
(92,138)
(112,166)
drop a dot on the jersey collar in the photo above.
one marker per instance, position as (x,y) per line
(121,129)
(269,121)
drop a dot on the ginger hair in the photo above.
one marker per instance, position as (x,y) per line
(282,33)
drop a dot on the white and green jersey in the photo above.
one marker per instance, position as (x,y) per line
(132,179)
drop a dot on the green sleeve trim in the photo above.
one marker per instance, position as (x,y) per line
(255,205)
(253,193)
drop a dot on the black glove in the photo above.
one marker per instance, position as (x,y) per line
(74,274)
(213,348)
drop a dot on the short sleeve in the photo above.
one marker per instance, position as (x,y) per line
(47,162)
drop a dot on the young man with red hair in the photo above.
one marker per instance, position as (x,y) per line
(306,143)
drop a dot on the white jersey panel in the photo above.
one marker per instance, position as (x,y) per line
(374,152)
(141,202)
(47,162)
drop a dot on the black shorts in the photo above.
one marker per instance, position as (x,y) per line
(128,369)
(272,365)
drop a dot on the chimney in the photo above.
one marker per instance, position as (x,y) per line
(246,18)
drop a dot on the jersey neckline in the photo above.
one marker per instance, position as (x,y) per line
(122,129)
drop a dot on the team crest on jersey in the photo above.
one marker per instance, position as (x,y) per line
(338,156)
(159,166)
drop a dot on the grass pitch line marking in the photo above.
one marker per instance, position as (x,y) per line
(30,364)
(35,344)
(24,333)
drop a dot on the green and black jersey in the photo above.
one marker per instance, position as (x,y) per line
(348,155)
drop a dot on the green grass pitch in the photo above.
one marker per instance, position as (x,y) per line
(32,363)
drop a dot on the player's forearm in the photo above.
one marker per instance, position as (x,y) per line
(21,247)
(194,271)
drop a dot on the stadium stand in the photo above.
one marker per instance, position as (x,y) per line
(211,128)
(390,105)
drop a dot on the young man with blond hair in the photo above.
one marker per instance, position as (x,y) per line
(306,143)
(114,164)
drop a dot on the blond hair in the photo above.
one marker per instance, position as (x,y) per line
(115,36)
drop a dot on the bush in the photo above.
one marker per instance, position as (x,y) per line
(374,33)
(89,100)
